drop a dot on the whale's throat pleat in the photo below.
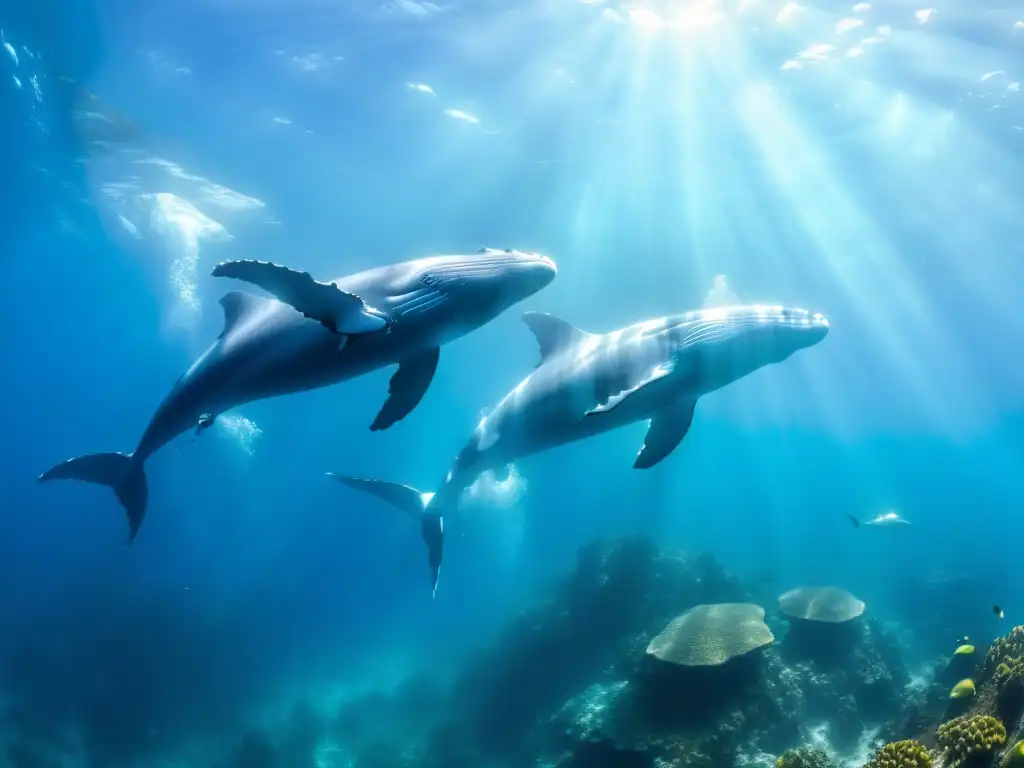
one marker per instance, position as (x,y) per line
(420,301)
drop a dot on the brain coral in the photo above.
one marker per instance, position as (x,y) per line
(709,635)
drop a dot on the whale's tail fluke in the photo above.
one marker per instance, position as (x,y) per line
(118,471)
(417,505)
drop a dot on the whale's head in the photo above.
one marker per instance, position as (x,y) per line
(727,343)
(479,287)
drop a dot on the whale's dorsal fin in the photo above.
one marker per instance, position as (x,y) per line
(236,305)
(553,333)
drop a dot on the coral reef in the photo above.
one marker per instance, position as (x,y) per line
(967,738)
(593,630)
(648,658)
(998,692)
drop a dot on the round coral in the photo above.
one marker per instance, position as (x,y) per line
(901,754)
(970,737)
(806,756)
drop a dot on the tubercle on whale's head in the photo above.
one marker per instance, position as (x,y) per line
(492,280)
(732,342)
(522,273)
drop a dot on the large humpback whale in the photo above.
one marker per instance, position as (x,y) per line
(588,383)
(398,314)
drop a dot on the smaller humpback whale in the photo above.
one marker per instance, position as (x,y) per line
(400,314)
(586,384)
(883,520)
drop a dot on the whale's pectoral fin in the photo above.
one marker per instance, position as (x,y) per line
(338,311)
(666,431)
(617,398)
(407,387)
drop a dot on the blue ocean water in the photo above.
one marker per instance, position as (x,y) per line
(864,161)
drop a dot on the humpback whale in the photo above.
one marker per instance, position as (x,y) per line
(397,314)
(587,383)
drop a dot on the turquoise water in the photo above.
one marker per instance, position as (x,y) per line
(862,161)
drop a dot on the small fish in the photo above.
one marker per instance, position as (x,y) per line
(963,690)
(964,650)
(187,588)
(998,611)
(854,520)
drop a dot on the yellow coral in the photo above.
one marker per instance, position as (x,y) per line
(901,754)
(970,736)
